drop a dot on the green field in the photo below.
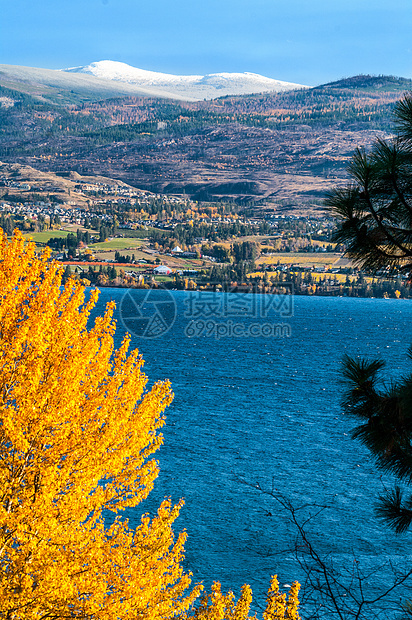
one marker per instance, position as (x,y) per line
(296,258)
(117,244)
(43,237)
(163,278)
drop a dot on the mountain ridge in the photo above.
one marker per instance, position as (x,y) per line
(104,79)
(373,83)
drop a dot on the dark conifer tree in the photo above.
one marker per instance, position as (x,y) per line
(376,227)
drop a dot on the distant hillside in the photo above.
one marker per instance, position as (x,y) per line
(289,146)
(380,83)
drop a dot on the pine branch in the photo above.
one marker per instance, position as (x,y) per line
(396,511)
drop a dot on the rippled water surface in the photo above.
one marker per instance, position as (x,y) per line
(266,410)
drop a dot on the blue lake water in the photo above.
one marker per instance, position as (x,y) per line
(264,407)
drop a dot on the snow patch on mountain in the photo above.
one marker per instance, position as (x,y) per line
(193,86)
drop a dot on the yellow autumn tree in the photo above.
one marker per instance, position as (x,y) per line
(77,432)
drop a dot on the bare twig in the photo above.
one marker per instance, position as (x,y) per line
(330,592)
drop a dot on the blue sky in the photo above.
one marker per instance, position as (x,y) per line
(304,41)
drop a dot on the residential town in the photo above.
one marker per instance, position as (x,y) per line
(109,233)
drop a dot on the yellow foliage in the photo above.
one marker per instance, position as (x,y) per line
(218,606)
(280,608)
(77,430)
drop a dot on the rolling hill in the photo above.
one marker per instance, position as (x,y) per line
(107,79)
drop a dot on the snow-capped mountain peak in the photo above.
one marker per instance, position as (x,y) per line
(193,86)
